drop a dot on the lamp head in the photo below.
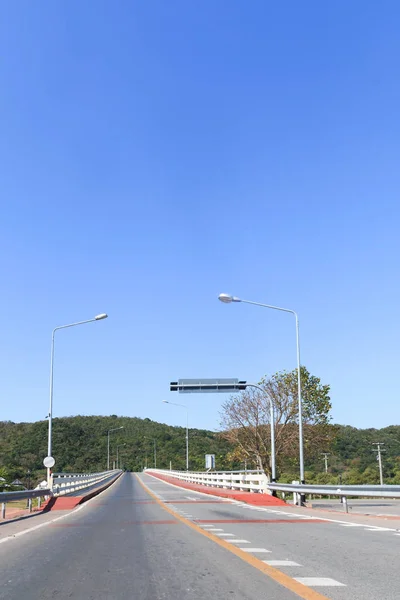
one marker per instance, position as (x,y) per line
(100,317)
(227,298)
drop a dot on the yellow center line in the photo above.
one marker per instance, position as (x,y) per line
(286,581)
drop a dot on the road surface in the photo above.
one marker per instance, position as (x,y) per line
(380,507)
(164,543)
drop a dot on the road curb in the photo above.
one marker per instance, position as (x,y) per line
(70,502)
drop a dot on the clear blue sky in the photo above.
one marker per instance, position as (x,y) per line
(155,154)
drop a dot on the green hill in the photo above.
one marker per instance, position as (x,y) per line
(80,444)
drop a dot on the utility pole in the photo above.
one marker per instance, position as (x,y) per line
(379,457)
(325,455)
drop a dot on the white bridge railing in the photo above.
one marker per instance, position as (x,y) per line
(257,481)
(244,481)
(68,483)
(63,483)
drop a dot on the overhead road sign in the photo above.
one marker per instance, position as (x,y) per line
(201,386)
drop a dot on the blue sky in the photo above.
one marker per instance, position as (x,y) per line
(155,154)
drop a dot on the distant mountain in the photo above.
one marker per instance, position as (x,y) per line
(80,444)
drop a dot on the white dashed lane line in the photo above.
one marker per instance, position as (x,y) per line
(281,563)
(325,519)
(255,550)
(319,582)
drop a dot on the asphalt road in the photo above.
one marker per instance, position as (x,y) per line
(124,545)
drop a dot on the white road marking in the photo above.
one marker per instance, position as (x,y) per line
(308,581)
(255,550)
(269,510)
(319,581)
(281,563)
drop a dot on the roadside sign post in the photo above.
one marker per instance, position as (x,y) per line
(210,461)
(49,463)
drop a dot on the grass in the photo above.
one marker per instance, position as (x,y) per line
(21,503)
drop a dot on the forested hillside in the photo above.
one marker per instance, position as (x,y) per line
(80,444)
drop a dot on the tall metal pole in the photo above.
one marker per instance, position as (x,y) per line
(187,439)
(380,450)
(155,454)
(226,298)
(50,416)
(50,431)
(299,401)
(187,428)
(325,455)
(108,444)
(380,465)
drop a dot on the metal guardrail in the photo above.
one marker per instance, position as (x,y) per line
(63,484)
(342,491)
(378,491)
(22,495)
(257,481)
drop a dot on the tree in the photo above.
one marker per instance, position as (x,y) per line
(245,419)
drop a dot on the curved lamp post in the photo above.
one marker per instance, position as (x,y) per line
(108,444)
(187,429)
(50,415)
(227,299)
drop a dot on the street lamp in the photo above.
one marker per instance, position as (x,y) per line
(155,450)
(117,454)
(50,415)
(187,429)
(108,444)
(227,299)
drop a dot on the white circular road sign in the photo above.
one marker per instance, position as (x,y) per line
(49,462)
